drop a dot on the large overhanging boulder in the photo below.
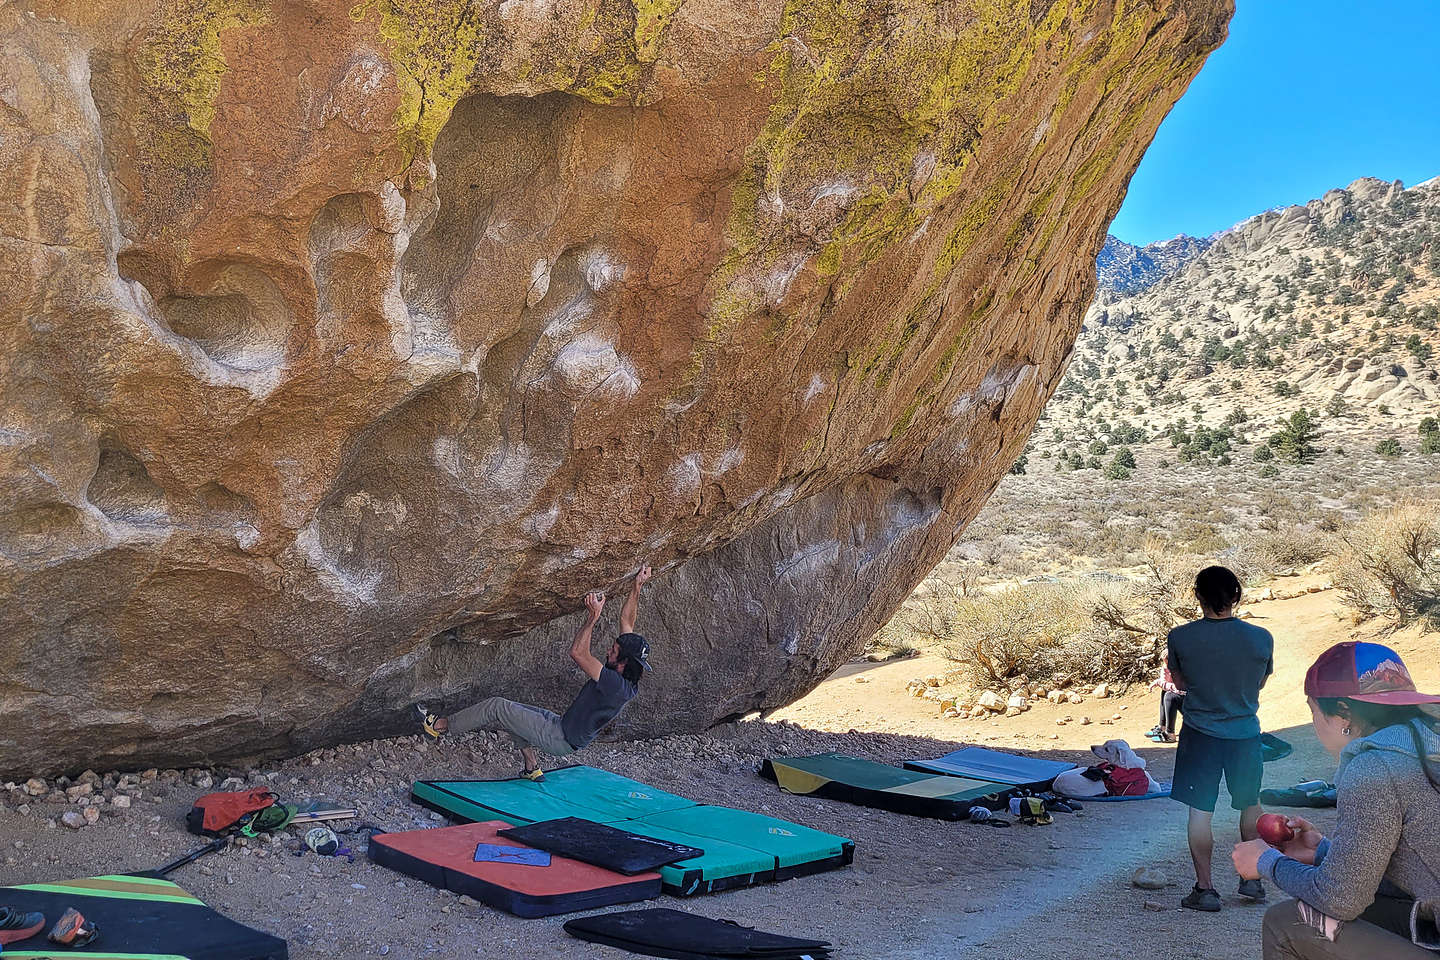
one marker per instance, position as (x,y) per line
(348,343)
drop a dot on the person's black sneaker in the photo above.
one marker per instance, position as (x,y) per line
(1206,900)
(1252,890)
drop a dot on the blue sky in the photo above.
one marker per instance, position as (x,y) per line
(1305,95)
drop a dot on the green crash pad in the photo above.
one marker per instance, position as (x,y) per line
(852,780)
(722,861)
(578,791)
(741,848)
(789,844)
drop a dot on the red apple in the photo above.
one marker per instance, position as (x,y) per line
(1274,830)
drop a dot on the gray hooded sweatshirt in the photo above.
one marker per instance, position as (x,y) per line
(1389,830)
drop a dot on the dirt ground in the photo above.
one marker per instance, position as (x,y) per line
(918,888)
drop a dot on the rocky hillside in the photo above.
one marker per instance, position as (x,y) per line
(1330,307)
(1126,269)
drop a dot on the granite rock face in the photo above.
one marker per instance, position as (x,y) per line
(348,343)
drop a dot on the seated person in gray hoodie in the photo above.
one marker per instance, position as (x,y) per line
(1371,891)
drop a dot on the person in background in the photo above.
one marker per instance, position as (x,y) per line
(1172,701)
(1371,890)
(1220,662)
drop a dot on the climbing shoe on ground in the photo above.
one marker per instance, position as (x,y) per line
(537,775)
(1252,890)
(16,925)
(987,816)
(428,721)
(1206,900)
(73,930)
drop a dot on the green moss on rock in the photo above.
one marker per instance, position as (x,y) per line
(435,46)
(180,65)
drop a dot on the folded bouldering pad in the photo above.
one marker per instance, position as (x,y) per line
(661,932)
(739,848)
(1312,793)
(869,784)
(978,763)
(601,844)
(444,858)
(141,917)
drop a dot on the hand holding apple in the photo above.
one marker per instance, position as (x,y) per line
(1274,830)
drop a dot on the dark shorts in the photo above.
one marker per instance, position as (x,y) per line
(1200,759)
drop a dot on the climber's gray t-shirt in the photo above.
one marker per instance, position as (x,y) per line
(597,704)
(1224,663)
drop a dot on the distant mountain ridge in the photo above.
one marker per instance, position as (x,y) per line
(1332,306)
(1124,268)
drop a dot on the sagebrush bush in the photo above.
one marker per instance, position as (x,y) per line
(1284,550)
(1092,632)
(1390,566)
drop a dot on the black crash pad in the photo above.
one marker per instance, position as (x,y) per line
(601,845)
(660,932)
(138,916)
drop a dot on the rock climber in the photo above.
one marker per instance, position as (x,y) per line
(611,686)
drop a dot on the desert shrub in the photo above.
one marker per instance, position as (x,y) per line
(1114,471)
(1268,471)
(1003,634)
(1098,447)
(1390,566)
(1088,630)
(1430,435)
(1036,631)
(1295,440)
(1389,447)
(1263,454)
(1092,463)
(1283,550)
(1018,467)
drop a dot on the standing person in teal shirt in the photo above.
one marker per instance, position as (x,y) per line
(1220,662)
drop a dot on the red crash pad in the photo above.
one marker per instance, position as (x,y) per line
(444,857)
